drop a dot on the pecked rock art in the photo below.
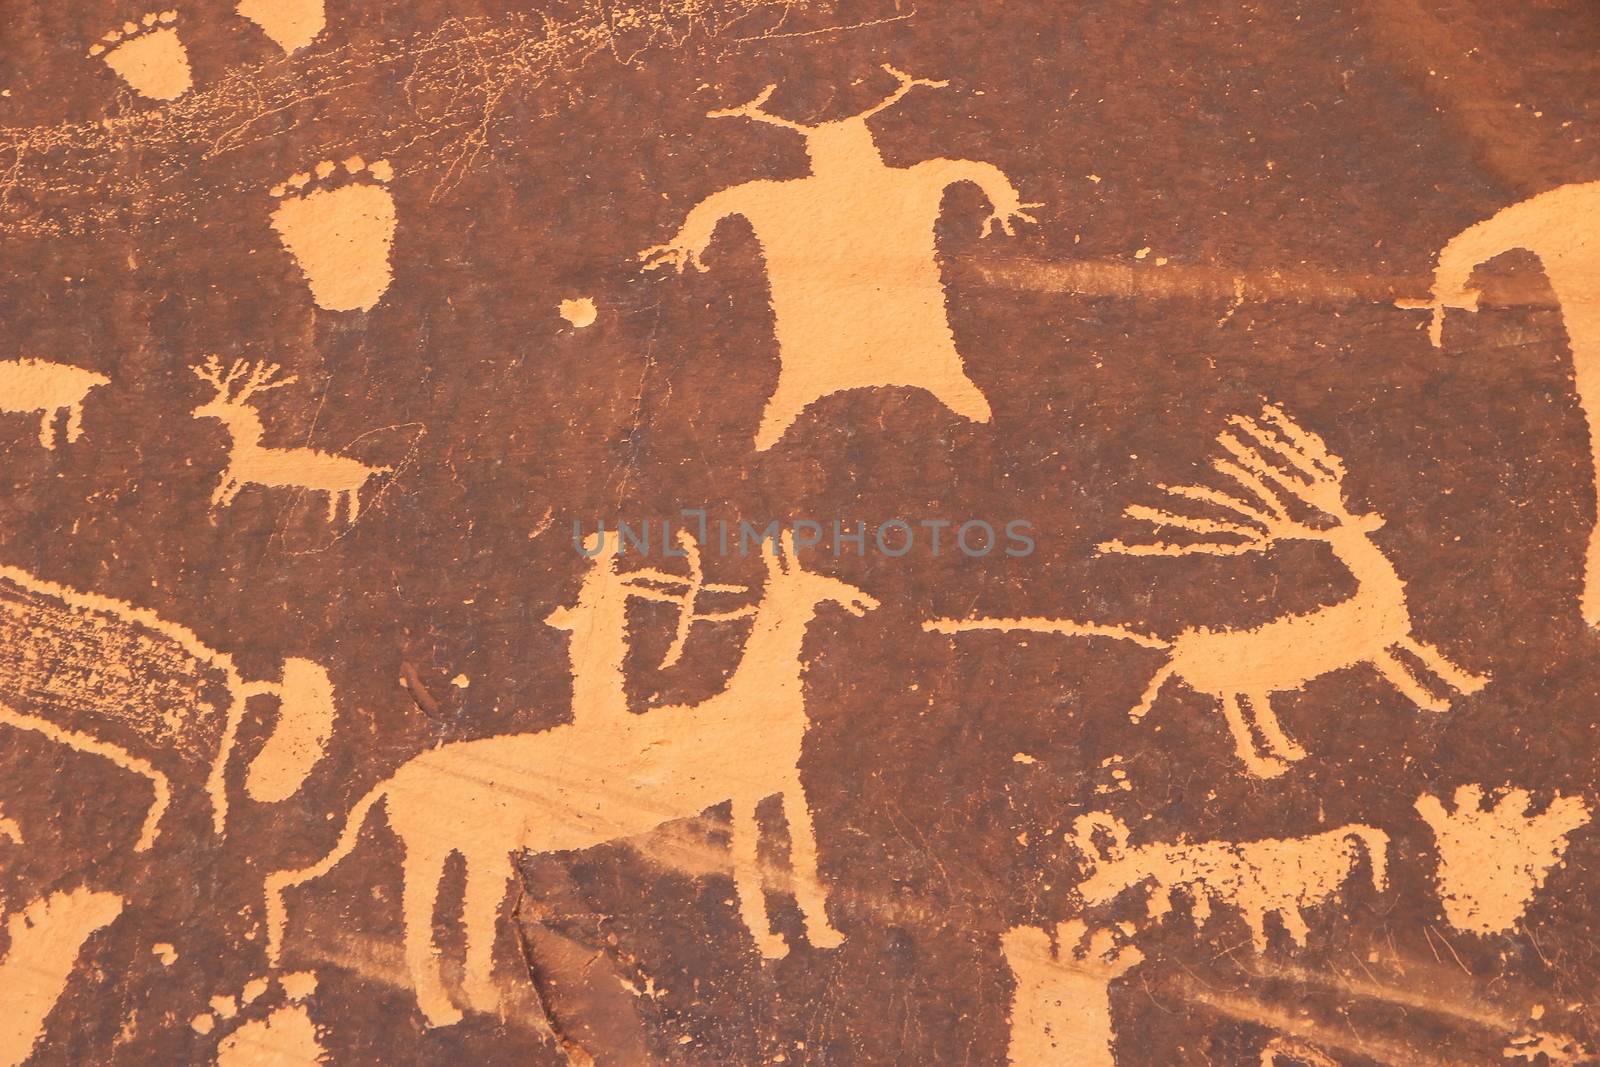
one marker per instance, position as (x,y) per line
(35,386)
(1259,878)
(1282,1050)
(251,463)
(148,55)
(1562,228)
(1061,1010)
(557,790)
(292,24)
(1244,667)
(141,691)
(46,939)
(1494,858)
(338,222)
(262,1030)
(849,249)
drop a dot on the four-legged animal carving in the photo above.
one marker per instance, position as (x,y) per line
(251,463)
(605,778)
(1246,666)
(1258,877)
(856,293)
(33,385)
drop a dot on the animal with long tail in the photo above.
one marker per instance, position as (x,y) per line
(1245,667)
(605,777)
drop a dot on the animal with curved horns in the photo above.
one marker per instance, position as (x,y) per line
(857,297)
(602,778)
(1244,667)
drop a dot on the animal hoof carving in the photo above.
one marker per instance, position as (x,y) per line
(292,24)
(339,227)
(148,55)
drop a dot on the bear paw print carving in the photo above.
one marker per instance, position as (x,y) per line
(338,223)
(148,55)
(262,1029)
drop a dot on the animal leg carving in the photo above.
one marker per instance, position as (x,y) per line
(747,880)
(1272,730)
(486,889)
(1259,765)
(808,888)
(1392,669)
(423,872)
(1436,662)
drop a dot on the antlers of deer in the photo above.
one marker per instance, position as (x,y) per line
(1302,469)
(756,111)
(685,600)
(257,377)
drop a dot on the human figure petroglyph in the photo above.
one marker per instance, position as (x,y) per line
(1562,228)
(149,55)
(251,463)
(1061,1009)
(1260,878)
(110,667)
(849,249)
(606,777)
(1245,667)
(46,939)
(1492,860)
(48,390)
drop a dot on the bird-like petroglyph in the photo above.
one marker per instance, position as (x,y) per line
(608,775)
(849,249)
(1281,467)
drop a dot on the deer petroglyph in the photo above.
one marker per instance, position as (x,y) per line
(1244,667)
(1562,228)
(1493,860)
(856,293)
(608,775)
(1260,878)
(115,669)
(251,463)
(48,389)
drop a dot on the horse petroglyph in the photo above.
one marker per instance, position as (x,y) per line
(153,687)
(251,463)
(849,249)
(558,790)
(339,227)
(1493,859)
(47,389)
(1061,1010)
(1260,878)
(148,55)
(1562,228)
(1244,667)
(292,24)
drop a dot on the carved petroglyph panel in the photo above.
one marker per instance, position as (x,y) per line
(295,681)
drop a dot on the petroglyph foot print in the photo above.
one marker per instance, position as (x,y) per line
(338,223)
(148,55)
(292,24)
(260,1035)
(1493,860)
(1061,1010)
(45,940)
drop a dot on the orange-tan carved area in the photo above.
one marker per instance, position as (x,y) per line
(808,532)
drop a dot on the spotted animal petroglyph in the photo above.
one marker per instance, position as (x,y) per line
(1061,1010)
(850,257)
(46,939)
(1260,878)
(292,24)
(1492,860)
(147,694)
(1244,667)
(338,222)
(1562,228)
(251,463)
(47,389)
(608,775)
(148,55)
